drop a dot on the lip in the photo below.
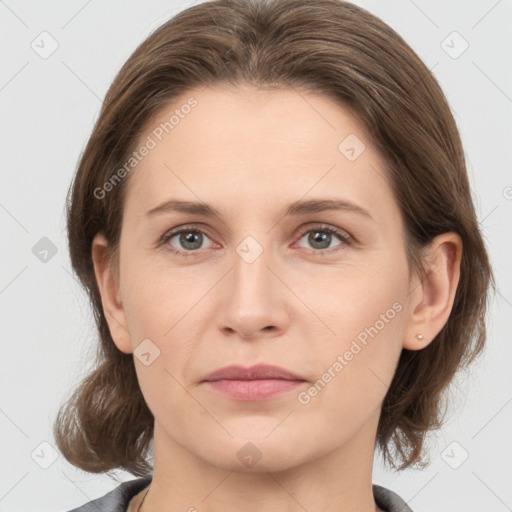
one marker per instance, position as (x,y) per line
(260,382)
(257,372)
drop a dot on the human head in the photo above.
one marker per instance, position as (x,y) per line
(357,61)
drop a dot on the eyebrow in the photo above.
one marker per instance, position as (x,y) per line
(301,207)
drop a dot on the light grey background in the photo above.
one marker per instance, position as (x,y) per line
(48,106)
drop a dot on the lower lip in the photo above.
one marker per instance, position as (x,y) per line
(260,389)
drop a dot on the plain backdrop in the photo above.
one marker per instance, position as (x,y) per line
(48,106)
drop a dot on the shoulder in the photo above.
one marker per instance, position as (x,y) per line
(388,500)
(116,500)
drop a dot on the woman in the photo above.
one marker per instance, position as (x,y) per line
(274,223)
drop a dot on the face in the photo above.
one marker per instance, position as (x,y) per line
(301,265)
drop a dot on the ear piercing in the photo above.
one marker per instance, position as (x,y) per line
(419,336)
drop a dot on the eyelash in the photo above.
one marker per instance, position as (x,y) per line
(344,237)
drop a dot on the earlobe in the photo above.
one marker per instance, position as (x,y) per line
(432,298)
(107,282)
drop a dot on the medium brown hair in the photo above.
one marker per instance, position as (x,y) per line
(326,46)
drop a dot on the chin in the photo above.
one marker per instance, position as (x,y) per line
(255,454)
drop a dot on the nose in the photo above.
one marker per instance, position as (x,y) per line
(254,301)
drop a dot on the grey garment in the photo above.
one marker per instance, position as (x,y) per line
(118,499)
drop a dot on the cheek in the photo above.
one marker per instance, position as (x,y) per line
(366,311)
(159,309)
(354,373)
(162,307)
(156,301)
(353,298)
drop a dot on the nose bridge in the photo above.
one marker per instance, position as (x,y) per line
(252,301)
(251,276)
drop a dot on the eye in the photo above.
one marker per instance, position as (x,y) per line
(185,241)
(189,240)
(321,237)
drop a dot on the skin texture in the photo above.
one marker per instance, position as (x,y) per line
(248,153)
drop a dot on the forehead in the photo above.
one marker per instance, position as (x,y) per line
(255,147)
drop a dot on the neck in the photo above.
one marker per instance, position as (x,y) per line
(340,480)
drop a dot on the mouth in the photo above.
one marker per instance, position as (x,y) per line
(259,382)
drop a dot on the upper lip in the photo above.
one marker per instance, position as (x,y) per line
(257,372)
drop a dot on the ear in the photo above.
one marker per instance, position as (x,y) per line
(432,298)
(107,279)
